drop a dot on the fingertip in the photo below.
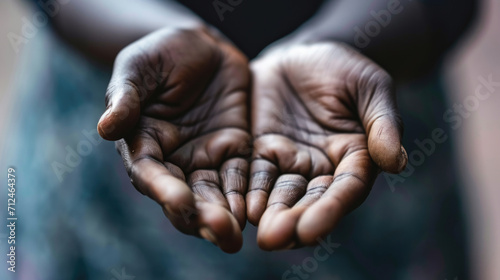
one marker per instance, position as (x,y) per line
(384,145)
(223,227)
(207,234)
(101,132)
(118,120)
(232,246)
(229,236)
(317,221)
(102,125)
(392,161)
(278,231)
(403,159)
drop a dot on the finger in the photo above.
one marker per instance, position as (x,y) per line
(154,180)
(234,186)
(263,174)
(122,102)
(219,226)
(287,190)
(132,82)
(276,230)
(206,184)
(211,222)
(175,170)
(285,222)
(142,157)
(163,184)
(315,189)
(383,124)
(352,182)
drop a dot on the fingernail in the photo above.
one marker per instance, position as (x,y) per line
(403,159)
(103,123)
(288,247)
(105,114)
(208,234)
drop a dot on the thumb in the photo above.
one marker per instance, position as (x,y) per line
(122,101)
(384,126)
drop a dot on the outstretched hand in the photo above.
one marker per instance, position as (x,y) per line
(324,122)
(177,103)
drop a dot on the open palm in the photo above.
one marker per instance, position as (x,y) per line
(177,100)
(324,119)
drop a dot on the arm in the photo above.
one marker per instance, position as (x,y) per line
(395,34)
(102,28)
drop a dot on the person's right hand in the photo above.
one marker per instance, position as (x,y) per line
(177,104)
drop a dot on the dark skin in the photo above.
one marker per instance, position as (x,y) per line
(323,121)
(316,158)
(178,99)
(190,129)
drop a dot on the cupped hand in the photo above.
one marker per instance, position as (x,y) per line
(324,122)
(177,104)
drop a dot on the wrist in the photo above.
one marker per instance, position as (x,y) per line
(307,35)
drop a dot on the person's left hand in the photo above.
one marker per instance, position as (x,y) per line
(324,120)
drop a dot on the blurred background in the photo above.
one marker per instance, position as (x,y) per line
(43,239)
